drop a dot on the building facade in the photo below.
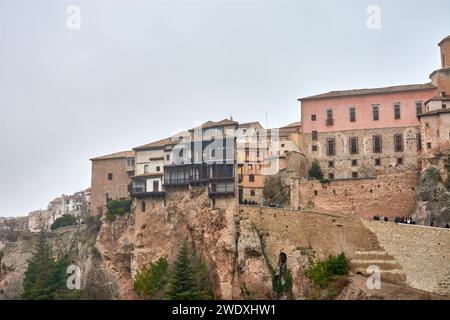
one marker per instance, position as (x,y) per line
(111,176)
(359,133)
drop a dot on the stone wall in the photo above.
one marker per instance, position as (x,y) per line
(365,166)
(389,195)
(411,255)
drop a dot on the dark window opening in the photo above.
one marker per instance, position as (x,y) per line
(314,148)
(376,113)
(353,145)
(352,114)
(419,141)
(399,160)
(378,162)
(251,178)
(331,164)
(354,174)
(313,117)
(354,163)
(428,145)
(397,111)
(110,176)
(252,193)
(331,147)
(143,206)
(314,135)
(331,175)
(377,142)
(398,142)
(418,107)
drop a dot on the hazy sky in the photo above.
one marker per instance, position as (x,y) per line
(140,70)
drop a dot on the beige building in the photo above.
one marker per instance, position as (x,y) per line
(111,176)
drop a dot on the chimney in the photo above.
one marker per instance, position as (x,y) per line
(231,118)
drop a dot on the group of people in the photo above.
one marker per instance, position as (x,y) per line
(404,220)
(396,220)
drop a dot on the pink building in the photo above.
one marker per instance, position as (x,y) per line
(355,133)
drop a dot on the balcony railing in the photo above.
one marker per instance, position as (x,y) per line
(139,192)
(226,189)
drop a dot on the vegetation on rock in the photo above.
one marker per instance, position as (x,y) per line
(45,277)
(117,208)
(315,171)
(64,221)
(186,279)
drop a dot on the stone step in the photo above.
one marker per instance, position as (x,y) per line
(382,264)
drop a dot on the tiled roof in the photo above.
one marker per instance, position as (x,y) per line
(213,124)
(360,92)
(292,125)
(155,144)
(434,112)
(443,40)
(438,98)
(117,155)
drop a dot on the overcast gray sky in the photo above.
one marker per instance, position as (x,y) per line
(139,70)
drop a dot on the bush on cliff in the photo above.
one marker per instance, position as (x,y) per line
(117,207)
(151,281)
(315,171)
(64,221)
(275,192)
(321,273)
(186,279)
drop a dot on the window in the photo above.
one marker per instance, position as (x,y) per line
(399,161)
(419,141)
(252,193)
(213,153)
(376,112)
(377,144)
(257,154)
(314,135)
(158,168)
(110,176)
(397,111)
(329,121)
(444,106)
(354,163)
(331,175)
(251,178)
(428,145)
(354,174)
(314,148)
(143,206)
(146,167)
(313,117)
(354,145)
(331,164)
(282,145)
(398,143)
(155,185)
(130,162)
(352,114)
(378,162)
(167,157)
(418,107)
(250,166)
(331,146)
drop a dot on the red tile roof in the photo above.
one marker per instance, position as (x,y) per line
(360,92)
(434,112)
(117,155)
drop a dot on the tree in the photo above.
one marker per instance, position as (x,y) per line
(63,221)
(189,279)
(275,192)
(152,281)
(315,171)
(45,277)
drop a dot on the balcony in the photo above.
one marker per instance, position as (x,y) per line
(330,122)
(140,192)
(221,189)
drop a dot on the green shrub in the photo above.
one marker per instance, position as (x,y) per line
(315,172)
(63,221)
(117,208)
(321,273)
(152,281)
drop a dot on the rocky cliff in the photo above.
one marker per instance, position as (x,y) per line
(433,203)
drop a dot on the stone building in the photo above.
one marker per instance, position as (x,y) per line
(357,133)
(111,176)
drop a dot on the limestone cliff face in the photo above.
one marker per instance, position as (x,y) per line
(433,203)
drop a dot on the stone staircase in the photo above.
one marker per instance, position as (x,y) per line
(390,270)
